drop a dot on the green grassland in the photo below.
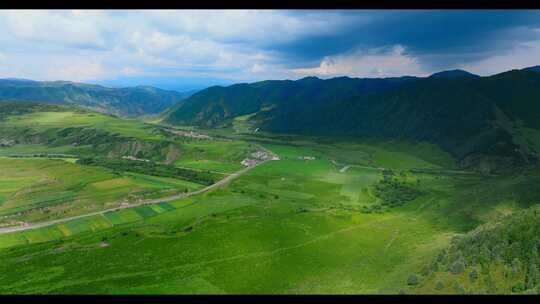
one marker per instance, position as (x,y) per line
(95,133)
(218,155)
(50,120)
(37,189)
(288,226)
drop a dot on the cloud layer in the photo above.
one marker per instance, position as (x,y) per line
(141,47)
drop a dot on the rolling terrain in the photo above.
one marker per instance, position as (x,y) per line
(131,101)
(340,186)
(482,121)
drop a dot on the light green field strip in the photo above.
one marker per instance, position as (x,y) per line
(40,120)
(142,209)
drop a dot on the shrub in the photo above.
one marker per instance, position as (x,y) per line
(458,287)
(457,267)
(473,275)
(412,280)
(532,276)
(516,267)
(519,287)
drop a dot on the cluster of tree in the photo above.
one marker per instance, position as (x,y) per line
(499,257)
(394,192)
(12,107)
(149,168)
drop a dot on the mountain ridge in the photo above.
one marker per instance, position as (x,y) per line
(127,101)
(457,113)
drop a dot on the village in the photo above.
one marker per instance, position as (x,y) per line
(190,134)
(258,157)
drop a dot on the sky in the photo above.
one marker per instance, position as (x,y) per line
(193,49)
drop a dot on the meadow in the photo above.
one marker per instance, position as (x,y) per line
(288,226)
(38,189)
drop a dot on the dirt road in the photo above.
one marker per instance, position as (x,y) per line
(222,182)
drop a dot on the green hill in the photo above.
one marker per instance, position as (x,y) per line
(500,257)
(131,101)
(467,115)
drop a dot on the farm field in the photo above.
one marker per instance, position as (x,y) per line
(64,119)
(215,155)
(289,226)
(37,189)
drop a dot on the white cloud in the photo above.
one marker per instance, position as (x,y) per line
(378,62)
(247,26)
(66,28)
(240,45)
(522,56)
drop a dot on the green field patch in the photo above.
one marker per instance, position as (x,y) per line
(78,225)
(42,235)
(12,240)
(209,165)
(292,152)
(162,182)
(64,229)
(41,120)
(355,182)
(281,192)
(217,155)
(157,208)
(99,222)
(146,211)
(122,216)
(114,217)
(166,206)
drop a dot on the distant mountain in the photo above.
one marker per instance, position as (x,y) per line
(453,74)
(217,105)
(535,69)
(131,101)
(466,116)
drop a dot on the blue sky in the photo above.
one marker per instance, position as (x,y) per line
(193,49)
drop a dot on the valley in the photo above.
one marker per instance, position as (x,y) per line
(238,207)
(300,224)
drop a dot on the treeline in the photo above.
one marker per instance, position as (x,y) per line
(15,107)
(393,191)
(149,168)
(500,257)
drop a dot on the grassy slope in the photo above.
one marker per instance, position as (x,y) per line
(50,188)
(283,228)
(47,120)
(69,189)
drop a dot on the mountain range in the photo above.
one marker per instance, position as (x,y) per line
(127,102)
(465,114)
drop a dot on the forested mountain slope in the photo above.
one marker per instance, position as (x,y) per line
(465,114)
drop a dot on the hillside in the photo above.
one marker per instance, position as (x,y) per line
(130,101)
(500,257)
(467,115)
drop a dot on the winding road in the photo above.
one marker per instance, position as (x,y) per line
(221,182)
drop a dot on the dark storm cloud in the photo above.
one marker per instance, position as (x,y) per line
(436,37)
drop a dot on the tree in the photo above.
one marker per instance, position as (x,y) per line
(426,270)
(457,267)
(439,285)
(532,276)
(516,267)
(519,287)
(473,275)
(458,287)
(412,280)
